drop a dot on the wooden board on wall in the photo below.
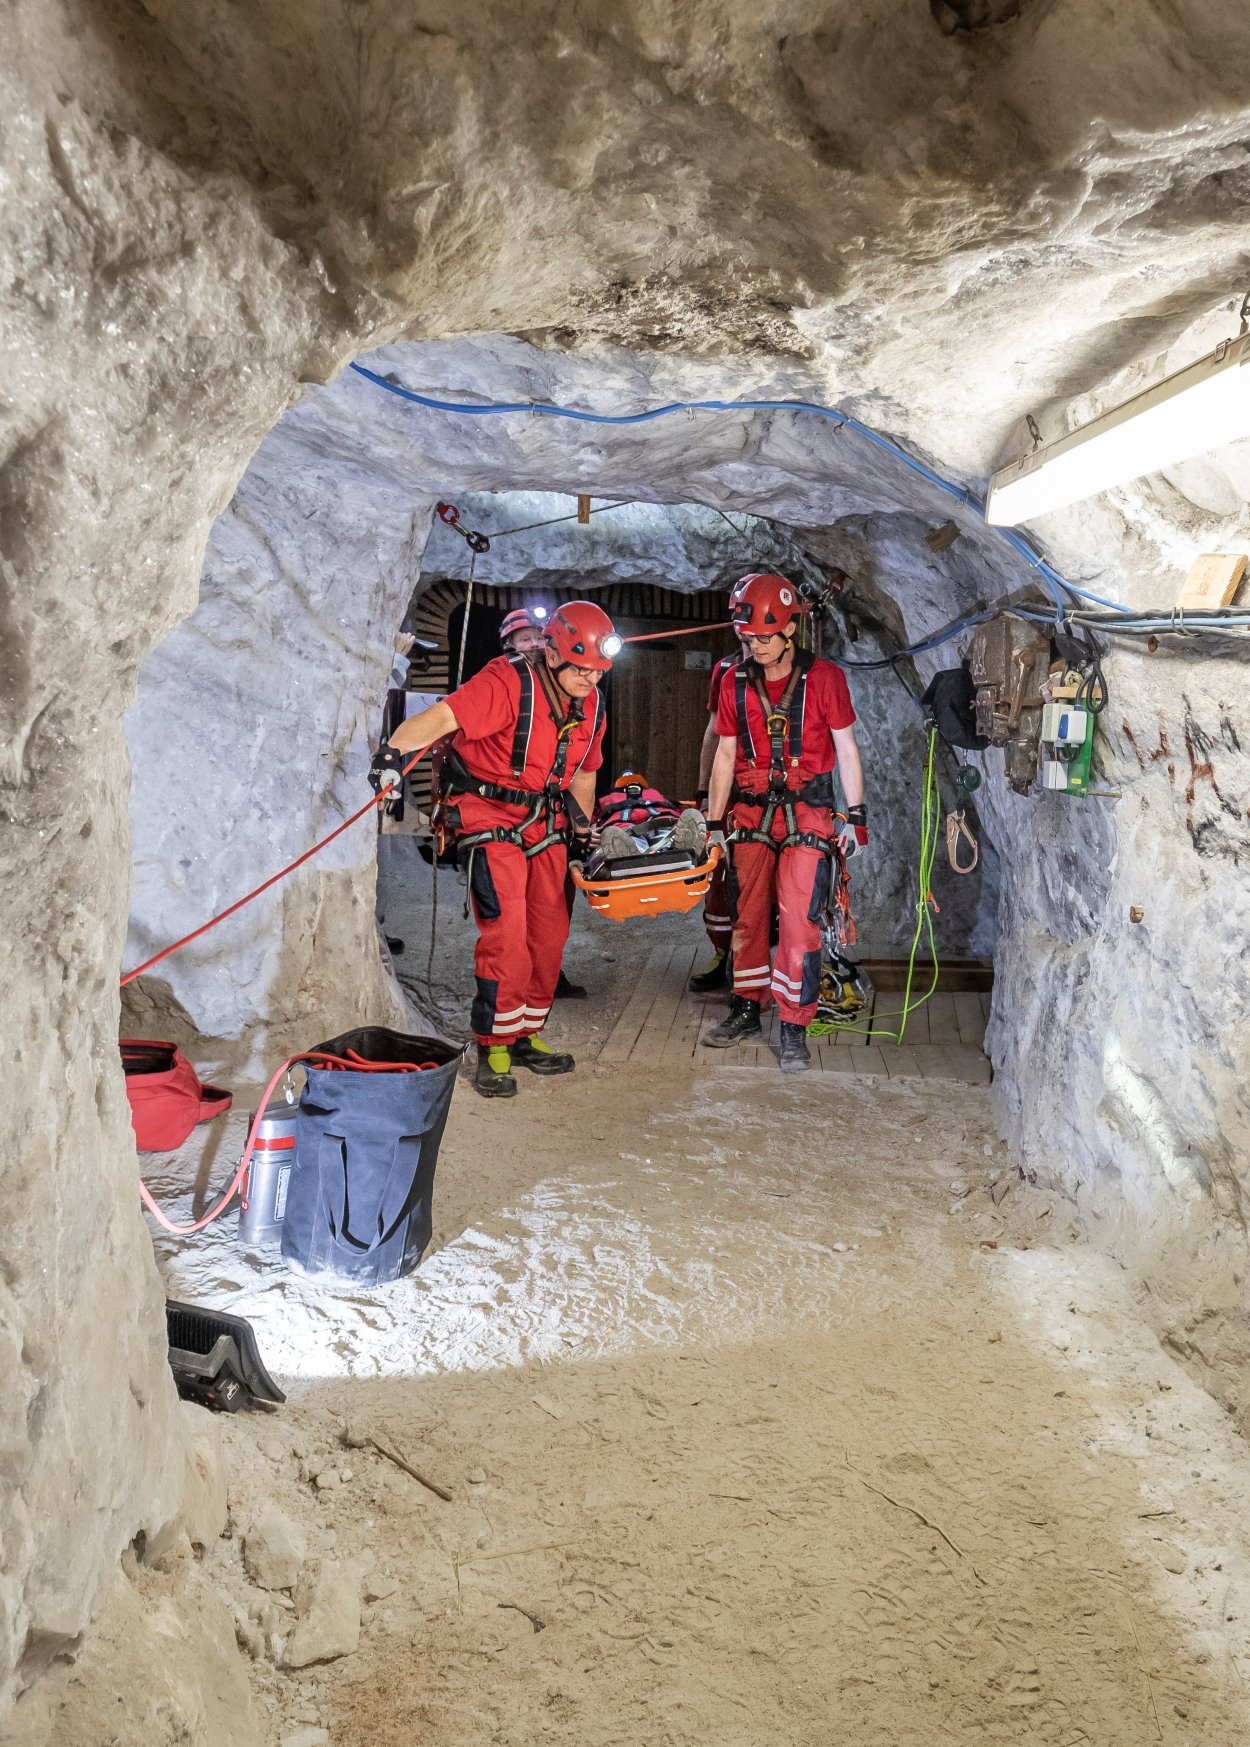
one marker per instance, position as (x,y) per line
(1213,580)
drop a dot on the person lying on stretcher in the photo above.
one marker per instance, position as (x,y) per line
(634,820)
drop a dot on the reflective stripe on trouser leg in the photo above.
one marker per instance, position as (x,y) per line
(755,866)
(546,932)
(717,917)
(796,963)
(501,959)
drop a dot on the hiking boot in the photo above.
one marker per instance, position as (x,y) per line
(742,1021)
(616,843)
(716,976)
(493,1077)
(794,1055)
(690,833)
(566,991)
(538,1056)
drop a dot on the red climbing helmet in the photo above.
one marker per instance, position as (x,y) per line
(764,602)
(521,619)
(583,635)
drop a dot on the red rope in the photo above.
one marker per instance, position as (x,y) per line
(686,631)
(238,904)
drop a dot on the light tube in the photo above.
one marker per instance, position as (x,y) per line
(1198,408)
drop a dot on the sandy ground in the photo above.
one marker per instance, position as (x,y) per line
(772,1412)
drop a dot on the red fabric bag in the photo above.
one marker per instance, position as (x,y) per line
(166,1097)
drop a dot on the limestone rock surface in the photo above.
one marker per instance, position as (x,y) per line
(274,1549)
(327,1608)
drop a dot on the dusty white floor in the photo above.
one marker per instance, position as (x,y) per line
(779,1434)
(772,1412)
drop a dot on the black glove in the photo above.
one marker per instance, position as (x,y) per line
(386,769)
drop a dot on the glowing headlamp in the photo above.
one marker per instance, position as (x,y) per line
(611,646)
(539,613)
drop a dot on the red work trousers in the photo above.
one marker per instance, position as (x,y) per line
(796,880)
(717,917)
(522,925)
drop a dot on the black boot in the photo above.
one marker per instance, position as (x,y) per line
(493,1078)
(566,991)
(794,1055)
(539,1057)
(742,1020)
(716,976)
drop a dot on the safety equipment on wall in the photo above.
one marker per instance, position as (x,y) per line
(957,827)
(950,706)
(852,831)
(1067,735)
(1009,661)
(215,1359)
(582,635)
(763,603)
(449,515)
(366,1144)
(166,1097)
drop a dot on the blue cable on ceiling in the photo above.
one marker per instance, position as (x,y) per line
(1019,544)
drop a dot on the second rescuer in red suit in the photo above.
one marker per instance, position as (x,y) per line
(784,723)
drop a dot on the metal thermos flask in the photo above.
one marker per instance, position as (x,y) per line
(268,1173)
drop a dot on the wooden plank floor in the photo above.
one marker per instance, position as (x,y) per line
(663,1023)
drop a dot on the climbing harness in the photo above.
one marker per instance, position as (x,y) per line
(784,724)
(548,806)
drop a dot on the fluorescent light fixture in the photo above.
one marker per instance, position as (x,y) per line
(1198,408)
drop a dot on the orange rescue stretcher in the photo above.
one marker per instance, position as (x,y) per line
(644,894)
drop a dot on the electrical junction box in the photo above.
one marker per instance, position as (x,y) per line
(1067,738)
(1064,726)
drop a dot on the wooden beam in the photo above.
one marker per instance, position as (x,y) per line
(1213,580)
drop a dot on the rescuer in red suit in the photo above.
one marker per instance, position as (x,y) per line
(784,723)
(517,781)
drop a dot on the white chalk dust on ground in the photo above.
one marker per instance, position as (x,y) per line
(754,1438)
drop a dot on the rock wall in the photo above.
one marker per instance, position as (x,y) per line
(250,740)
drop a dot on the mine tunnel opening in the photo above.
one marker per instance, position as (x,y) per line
(657,706)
